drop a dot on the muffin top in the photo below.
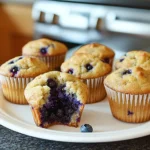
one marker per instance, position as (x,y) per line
(85,66)
(44,47)
(134,58)
(134,80)
(23,66)
(38,90)
(96,49)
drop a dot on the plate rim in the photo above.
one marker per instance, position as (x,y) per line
(97,137)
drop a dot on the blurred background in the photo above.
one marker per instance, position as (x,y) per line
(122,25)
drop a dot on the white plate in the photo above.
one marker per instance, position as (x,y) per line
(106,127)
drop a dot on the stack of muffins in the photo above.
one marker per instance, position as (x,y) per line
(59,97)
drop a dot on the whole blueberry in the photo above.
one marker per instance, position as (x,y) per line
(86,128)
(88,67)
(66,119)
(61,95)
(70,111)
(121,60)
(51,83)
(52,117)
(43,50)
(11,62)
(106,60)
(127,72)
(75,106)
(60,113)
(53,104)
(130,113)
(14,70)
(70,71)
(20,58)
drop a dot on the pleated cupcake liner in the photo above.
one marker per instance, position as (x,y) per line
(13,89)
(53,62)
(36,116)
(96,89)
(133,108)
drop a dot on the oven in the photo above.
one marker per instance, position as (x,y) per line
(122,25)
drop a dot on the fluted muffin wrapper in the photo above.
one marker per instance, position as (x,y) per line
(13,89)
(36,115)
(132,108)
(96,89)
(53,62)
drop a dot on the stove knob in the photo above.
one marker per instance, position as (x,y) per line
(55,19)
(42,17)
(99,24)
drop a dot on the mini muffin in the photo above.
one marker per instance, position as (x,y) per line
(103,52)
(91,70)
(134,58)
(51,52)
(16,73)
(56,98)
(128,92)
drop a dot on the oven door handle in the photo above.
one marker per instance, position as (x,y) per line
(127,25)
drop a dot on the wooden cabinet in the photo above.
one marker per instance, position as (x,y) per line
(16,29)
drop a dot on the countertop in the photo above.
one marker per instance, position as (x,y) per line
(10,140)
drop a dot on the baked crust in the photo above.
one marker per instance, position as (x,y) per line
(78,64)
(134,58)
(97,50)
(136,82)
(54,48)
(27,67)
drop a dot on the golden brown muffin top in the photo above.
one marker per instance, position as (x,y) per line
(133,80)
(44,47)
(38,90)
(23,66)
(134,58)
(85,66)
(96,49)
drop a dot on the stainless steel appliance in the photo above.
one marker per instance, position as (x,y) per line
(122,25)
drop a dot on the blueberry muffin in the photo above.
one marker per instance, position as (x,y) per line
(134,58)
(56,98)
(51,52)
(90,70)
(128,92)
(103,52)
(16,73)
